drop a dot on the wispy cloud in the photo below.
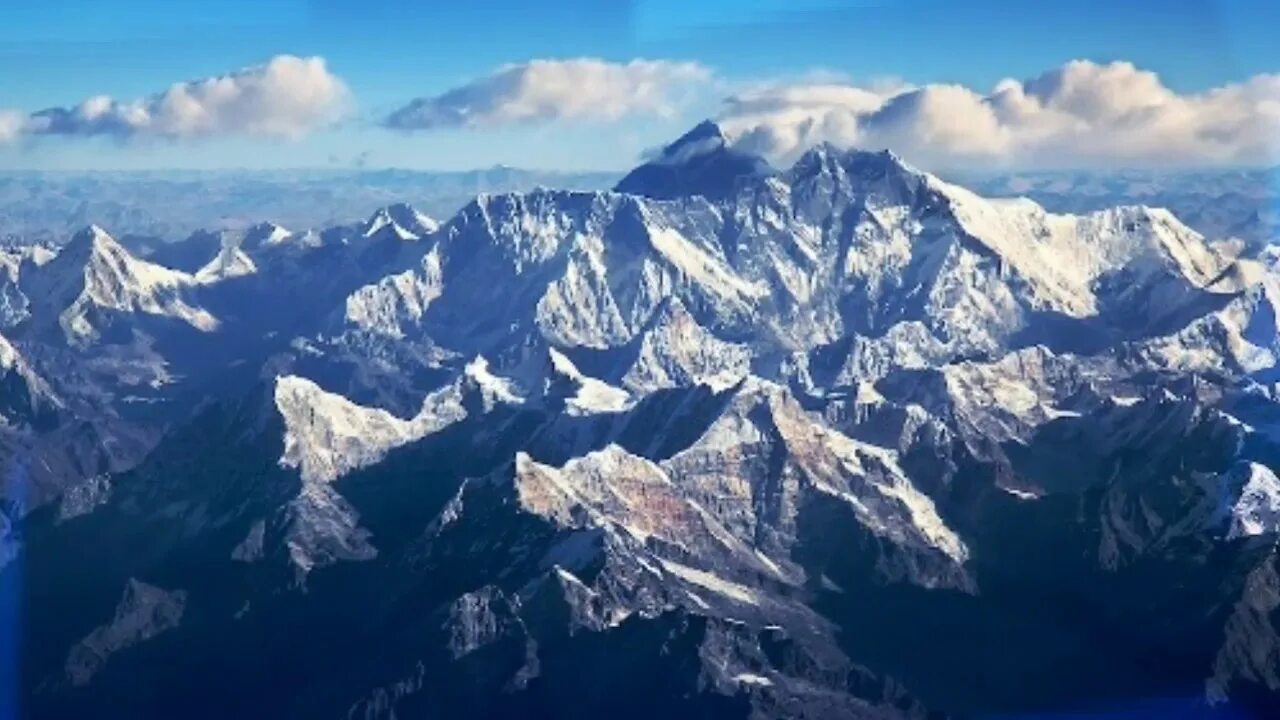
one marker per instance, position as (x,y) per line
(1081,114)
(549,90)
(285,97)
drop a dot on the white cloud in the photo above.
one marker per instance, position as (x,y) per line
(285,97)
(11,123)
(1082,114)
(783,121)
(547,90)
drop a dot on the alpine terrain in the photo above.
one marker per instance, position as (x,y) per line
(839,440)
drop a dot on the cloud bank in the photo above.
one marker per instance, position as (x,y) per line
(1083,114)
(286,97)
(548,90)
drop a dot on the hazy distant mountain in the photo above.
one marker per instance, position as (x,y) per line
(37,207)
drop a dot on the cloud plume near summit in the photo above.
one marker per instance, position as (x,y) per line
(1082,114)
(548,90)
(285,97)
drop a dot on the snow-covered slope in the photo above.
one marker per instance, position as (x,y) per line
(13,303)
(845,249)
(231,262)
(93,276)
(1252,500)
(34,388)
(327,436)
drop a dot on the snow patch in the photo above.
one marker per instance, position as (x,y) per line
(712,582)
(752,679)
(1256,509)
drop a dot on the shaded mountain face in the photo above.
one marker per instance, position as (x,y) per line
(701,162)
(839,440)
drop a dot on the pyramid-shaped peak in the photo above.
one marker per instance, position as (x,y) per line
(401,219)
(701,162)
(706,136)
(89,243)
(230,263)
(92,236)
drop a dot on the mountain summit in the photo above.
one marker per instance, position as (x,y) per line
(94,279)
(401,221)
(700,162)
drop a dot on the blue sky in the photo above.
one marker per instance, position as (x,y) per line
(56,53)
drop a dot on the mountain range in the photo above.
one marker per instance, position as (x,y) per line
(840,440)
(152,208)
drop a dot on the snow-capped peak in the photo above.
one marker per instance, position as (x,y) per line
(701,162)
(879,179)
(263,234)
(402,221)
(866,164)
(93,272)
(706,137)
(327,436)
(230,263)
(92,237)
(1251,496)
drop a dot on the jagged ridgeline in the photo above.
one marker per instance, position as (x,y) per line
(840,440)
